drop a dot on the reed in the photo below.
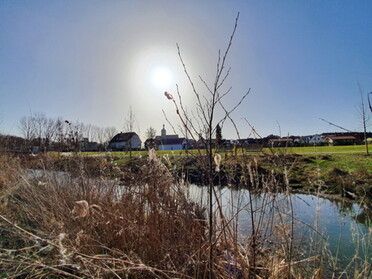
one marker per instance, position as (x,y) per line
(152,224)
(58,224)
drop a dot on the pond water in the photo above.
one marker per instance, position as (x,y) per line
(318,221)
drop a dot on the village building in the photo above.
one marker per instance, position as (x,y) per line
(317,140)
(341,140)
(359,136)
(125,141)
(86,145)
(282,142)
(170,142)
(304,139)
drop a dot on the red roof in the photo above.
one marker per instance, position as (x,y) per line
(342,138)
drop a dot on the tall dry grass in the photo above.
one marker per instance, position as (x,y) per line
(58,225)
(10,170)
(100,228)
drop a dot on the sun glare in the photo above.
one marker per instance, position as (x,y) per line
(162,77)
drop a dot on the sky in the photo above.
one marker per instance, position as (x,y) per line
(91,61)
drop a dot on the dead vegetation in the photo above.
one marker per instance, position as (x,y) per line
(59,225)
(102,228)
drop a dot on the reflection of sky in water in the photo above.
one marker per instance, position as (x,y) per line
(329,218)
(336,224)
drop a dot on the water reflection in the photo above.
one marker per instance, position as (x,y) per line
(339,227)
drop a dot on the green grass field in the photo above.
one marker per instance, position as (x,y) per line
(285,150)
(320,149)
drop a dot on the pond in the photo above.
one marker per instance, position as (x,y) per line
(332,226)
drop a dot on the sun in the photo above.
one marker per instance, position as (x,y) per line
(162,77)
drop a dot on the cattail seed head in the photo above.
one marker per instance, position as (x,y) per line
(217,161)
(81,208)
(168,95)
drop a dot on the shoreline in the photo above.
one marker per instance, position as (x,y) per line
(348,176)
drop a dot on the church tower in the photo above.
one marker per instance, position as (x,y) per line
(163,132)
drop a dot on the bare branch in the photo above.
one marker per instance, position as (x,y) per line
(219,72)
(185,114)
(223,95)
(206,85)
(228,113)
(239,103)
(253,129)
(225,77)
(129,121)
(192,83)
(330,123)
(166,118)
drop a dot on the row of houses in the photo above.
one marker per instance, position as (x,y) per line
(316,140)
(333,139)
(131,141)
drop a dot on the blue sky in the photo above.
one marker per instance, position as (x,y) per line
(89,61)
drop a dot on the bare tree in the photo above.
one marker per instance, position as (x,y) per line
(61,133)
(100,135)
(38,127)
(88,131)
(26,127)
(108,134)
(104,135)
(49,132)
(39,122)
(203,122)
(129,121)
(364,117)
(129,127)
(150,133)
(74,135)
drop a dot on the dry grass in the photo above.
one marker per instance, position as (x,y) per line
(9,170)
(152,224)
(56,225)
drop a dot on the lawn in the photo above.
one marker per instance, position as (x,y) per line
(351,163)
(284,150)
(319,149)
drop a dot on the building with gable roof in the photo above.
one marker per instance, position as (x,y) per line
(172,142)
(125,141)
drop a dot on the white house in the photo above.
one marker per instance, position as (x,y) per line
(317,139)
(125,141)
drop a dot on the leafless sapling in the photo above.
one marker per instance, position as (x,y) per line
(202,122)
(364,117)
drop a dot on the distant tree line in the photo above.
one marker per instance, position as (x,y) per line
(42,133)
